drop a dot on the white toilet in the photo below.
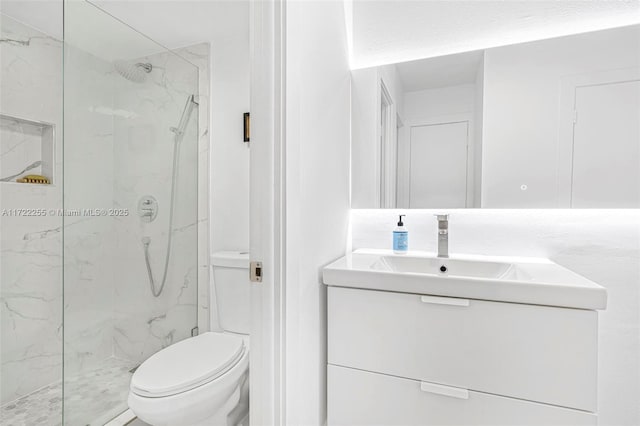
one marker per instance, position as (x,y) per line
(203,380)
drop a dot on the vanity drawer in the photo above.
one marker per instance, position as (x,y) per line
(362,398)
(537,353)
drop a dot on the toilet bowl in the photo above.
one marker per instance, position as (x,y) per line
(202,380)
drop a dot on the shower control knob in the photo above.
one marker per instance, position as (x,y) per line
(147,208)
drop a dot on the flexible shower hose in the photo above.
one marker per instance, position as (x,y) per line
(147,241)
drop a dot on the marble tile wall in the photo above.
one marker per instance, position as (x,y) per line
(88,184)
(32,251)
(30,246)
(144,152)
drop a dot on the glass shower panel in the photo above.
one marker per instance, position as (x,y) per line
(30,227)
(130,200)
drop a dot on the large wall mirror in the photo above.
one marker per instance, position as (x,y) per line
(546,124)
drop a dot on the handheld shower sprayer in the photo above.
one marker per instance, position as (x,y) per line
(146,241)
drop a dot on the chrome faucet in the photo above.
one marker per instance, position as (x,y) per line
(443,235)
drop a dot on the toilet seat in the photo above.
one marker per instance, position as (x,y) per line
(187,364)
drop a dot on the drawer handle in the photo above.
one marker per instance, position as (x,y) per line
(444,390)
(444,301)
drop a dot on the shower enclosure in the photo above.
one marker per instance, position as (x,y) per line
(99,266)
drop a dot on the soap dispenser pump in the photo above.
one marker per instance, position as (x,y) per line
(400,238)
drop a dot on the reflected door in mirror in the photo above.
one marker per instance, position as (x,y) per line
(438,176)
(606,152)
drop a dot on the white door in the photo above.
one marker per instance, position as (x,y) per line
(438,176)
(606,146)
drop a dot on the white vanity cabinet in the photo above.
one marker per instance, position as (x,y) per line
(416,359)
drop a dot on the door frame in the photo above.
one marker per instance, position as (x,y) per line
(387,148)
(567,118)
(267,213)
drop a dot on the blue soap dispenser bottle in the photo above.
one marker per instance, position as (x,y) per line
(400,238)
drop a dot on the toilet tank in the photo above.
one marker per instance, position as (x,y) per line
(231,285)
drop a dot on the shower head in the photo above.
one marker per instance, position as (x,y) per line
(133,72)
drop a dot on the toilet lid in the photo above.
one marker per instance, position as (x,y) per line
(187,364)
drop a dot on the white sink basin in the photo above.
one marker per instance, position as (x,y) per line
(507,279)
(442,267)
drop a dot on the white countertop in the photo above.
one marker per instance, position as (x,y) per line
(535,281)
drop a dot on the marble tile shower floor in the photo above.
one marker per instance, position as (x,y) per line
(93,397)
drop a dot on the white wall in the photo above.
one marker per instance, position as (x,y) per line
(430,103)
(391,77)
(317,192)
(229,154)
(602,245)
(365,129)
(521,110)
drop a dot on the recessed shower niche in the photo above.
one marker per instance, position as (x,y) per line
(26,149)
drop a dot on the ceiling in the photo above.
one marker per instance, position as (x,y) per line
(180,23)
(442,71)
(391,31)
(43,15)
(382,31)
(171,23)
